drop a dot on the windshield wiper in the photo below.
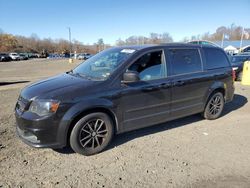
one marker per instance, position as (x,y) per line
(76,74)
(70,71)
(83,76)
(88,77)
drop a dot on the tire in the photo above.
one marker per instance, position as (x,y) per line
(214,106)
(92,134)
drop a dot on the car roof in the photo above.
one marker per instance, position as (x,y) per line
(177,44)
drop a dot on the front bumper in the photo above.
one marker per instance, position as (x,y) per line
(42,133)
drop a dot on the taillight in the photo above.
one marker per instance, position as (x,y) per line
(233,74)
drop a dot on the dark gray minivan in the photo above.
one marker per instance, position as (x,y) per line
(123,89)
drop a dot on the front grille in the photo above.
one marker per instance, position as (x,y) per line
(22,104)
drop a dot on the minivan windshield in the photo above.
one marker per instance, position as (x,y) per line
(101,66)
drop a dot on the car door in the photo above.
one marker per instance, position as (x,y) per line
(147,101)
(189,82)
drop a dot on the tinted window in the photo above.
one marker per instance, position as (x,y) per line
(185,61)
(215,58)
(150,66)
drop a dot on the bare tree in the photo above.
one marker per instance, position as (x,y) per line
(120,42)
(166,38)
(100,44)
(7,42)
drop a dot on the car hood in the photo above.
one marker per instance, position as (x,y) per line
(56,87)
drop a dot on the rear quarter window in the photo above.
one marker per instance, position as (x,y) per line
(215,58)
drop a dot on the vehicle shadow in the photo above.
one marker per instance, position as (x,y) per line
(65,150)
(10,83)
(125,137)
(238,102)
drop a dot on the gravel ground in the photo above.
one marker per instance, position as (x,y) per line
(189,152)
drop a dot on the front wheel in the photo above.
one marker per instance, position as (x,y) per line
(92,134)
(214,106)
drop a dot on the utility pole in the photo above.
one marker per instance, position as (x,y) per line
(70,46)
(69,40)
(222,41)
(242,36)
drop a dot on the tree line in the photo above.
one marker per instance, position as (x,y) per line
(11,43)
(16,43)
(154,38)
(230,33)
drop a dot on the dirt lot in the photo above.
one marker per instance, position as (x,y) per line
(189,152)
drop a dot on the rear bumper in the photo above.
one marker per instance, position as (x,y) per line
(229,93)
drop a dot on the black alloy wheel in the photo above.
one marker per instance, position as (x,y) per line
(92,134)
(215,106)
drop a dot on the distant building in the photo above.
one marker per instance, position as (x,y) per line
(231,50)
(233,47)
(234,43)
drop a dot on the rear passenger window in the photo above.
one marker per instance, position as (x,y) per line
(185,61)
(215,58)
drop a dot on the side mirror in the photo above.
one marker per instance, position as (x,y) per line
(130,76)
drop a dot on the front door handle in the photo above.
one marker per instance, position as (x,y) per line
(150,88)
(179,83)
(165,85)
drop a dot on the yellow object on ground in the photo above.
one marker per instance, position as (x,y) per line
(70,60)
(246,74)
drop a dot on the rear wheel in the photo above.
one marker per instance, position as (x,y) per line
(214,106)
(92,134)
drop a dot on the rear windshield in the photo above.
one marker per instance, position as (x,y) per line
(215,58)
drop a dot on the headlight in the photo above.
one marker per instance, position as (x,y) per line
(44,107)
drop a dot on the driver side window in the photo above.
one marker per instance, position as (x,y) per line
(150,66)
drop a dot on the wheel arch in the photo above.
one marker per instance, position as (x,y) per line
(216,87)
(85,112)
